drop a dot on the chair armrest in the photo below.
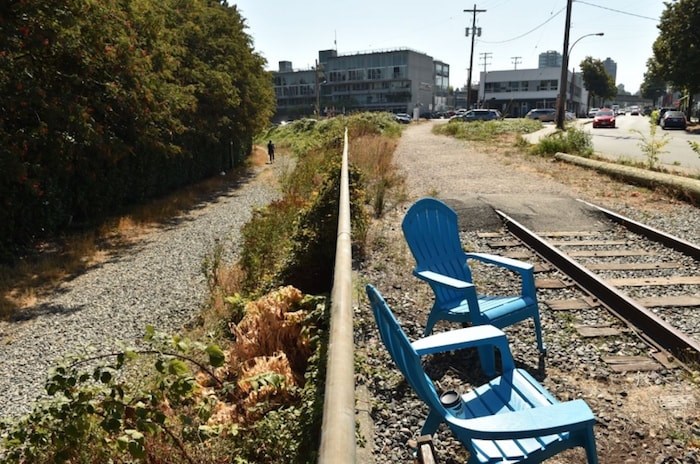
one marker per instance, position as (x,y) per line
(528,423)
(526,270)
(430,276)
(508,263)
(461,338)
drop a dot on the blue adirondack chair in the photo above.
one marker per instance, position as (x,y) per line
(431,231)
(512,418)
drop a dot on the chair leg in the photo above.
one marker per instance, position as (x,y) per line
(431,423)
(591,454)
(429,325)
(487,358)
(538,333)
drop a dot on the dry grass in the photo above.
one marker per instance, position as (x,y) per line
(36,275)
(374,156)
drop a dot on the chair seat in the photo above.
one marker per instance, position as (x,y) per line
(502,395)
(493,307)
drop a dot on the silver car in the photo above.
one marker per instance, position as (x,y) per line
(542,115)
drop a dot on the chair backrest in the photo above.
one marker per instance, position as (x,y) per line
(431,230)
(402,352)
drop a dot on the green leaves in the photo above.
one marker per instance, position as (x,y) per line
(95,412)
(675,50)
(596,79)
(128,100)
(216,355)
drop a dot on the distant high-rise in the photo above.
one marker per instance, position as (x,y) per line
(611,68)
(550,59)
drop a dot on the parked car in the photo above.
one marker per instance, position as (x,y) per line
(604,118)
(663,111)
(673,119)
(592,112)
(542,114)
(402,118)
(477,115)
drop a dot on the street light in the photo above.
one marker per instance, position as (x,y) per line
(561,103)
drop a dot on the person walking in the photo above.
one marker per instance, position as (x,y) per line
(271,151)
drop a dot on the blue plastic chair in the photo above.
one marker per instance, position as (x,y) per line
(512,418)
(432,233)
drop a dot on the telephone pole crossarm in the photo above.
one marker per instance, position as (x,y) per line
(474,11)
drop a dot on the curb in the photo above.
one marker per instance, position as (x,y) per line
(684,187)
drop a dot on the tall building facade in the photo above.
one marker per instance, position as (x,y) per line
(610,67)
(395,80)
(550,59)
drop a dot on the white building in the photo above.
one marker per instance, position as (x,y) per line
(515,92)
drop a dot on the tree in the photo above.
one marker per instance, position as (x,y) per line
(654,85)
(108,102)
(676,48)
(597,80)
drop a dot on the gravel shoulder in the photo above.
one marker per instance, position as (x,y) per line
(158,281)
(643,417)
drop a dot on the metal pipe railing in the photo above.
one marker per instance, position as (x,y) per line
(338,428)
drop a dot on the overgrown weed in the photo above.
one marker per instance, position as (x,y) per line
(572,141)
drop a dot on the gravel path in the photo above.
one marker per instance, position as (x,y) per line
(158,281)
(645,417)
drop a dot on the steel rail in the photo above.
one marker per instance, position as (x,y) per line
(654,329)
(644,230)
(338,427)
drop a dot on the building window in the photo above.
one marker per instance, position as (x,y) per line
(374,73)
(356,74)
(336,76)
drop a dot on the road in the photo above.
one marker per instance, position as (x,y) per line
(623,142)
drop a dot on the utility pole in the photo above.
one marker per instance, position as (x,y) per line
(516,61)
(474,11)
(485,56)
(561,102)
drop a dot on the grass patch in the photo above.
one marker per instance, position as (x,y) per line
(572,141)
(486,130)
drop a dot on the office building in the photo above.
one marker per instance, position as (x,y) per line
(515,92)
(610,67)
(399,81)
(550,59)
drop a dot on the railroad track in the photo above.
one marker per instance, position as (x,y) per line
(647,279)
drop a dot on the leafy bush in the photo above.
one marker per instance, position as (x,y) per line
(188,408)
(573,141)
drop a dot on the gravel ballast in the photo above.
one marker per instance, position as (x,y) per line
(158,281)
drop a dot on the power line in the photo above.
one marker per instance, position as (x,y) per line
(617,11)
(528,32)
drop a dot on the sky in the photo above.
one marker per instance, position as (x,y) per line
(513,32)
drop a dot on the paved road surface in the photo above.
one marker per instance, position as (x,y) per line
(623,142)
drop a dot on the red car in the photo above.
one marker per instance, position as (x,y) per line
(604,118)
